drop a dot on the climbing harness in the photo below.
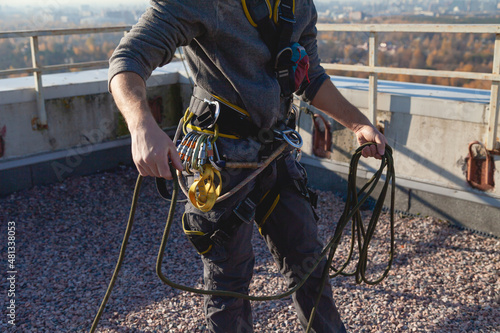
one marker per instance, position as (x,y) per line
(206,109)
(210,117)
(355,200)
(275,26)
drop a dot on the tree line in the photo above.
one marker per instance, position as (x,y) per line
(54,50)
(435,51)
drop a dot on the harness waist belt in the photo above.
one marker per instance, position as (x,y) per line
(231,120)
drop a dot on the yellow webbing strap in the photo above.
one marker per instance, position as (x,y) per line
(249,16)
(222,135)
(193,233)
(188,115)
(269,212)
(204,192)
(232,106)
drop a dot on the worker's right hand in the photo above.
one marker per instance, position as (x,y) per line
(152,149)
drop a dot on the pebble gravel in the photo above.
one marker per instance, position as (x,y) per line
(68,236)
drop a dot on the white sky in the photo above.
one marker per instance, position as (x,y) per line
(72,2)
(94,2)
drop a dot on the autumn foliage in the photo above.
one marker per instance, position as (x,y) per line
(436,51)
(56,50)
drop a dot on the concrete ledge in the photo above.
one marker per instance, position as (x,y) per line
(70,84)
(414,99)
(24,173)
(480,214)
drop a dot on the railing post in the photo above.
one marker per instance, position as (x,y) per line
(41,122)
(491,140)
(372,88)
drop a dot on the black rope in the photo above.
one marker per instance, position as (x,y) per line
(351,211)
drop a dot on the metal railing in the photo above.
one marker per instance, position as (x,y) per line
(373,70)
(37,69)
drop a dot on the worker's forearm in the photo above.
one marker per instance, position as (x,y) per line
(329,100)
(129,93)
(152,149)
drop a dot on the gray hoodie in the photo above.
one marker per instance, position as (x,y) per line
(224,51)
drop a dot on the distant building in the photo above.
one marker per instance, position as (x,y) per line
(425,13)
(120,16)
(86,13)
(356,16)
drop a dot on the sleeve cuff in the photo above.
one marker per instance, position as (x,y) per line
(129,66)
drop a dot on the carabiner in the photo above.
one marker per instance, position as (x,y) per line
(217,110)
(292,137)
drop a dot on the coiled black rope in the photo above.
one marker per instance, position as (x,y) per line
(351,211)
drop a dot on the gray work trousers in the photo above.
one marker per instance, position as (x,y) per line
(291,236)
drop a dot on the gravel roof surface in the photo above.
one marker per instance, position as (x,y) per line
(68,236)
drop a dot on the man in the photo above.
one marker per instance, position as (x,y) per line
(228,58)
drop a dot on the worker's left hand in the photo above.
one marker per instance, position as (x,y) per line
(368,133)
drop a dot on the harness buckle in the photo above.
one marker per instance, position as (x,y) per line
(209,118)
(219,237)
(285,13)
(246,210)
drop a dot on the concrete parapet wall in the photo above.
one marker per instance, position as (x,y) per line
(80,110)
(430,137)
(86,133)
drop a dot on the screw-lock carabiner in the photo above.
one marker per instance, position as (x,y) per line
(292,137)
